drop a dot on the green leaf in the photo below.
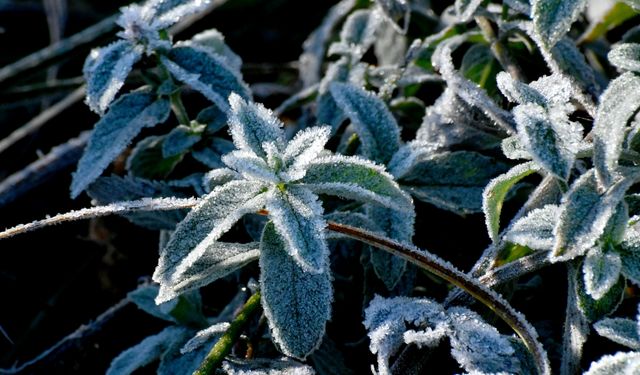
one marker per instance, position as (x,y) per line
(205,224)
(595,310)
(618,105)
(615,16)
(206,73)
(494,194)
(622,331)
(601,271)
(378,130)
(452,180)
(297,304)
(625,56)
(146,159)
(552,19)
(105,72)
(479,66)
(111,135)
(297,216)
(354,178)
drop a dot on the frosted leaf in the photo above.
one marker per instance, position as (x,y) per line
(168,12)
(211,154)
(394,11)
(556,89)
(585,214)
(203,336)
(297,304)
(566,59)
(619,363)
(146,161)
(105,73)
(112,189)
(218,177)
(143,297)
(409,154)
(622,331)
(429,337)
(549,137)
(452,180)
(111,135)
(179,140)
(283,366)
(354,178)
(618,105)
(378,130)
(251,125)
(494,194)
(214,40)
(535,230)
(552,19)
(206,73)
(218,260)
(596,309)
(147,351)
(206,223)
(213,118)
(297,216)
(513,149)
(390,47)
(250,166)
(397,225)
(357,34)
(601,271)
(477,346)
(518,92)
(629,250)
(521,6)
(466,9)
(305,147)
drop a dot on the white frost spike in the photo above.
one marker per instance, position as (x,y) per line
(601,271)
(249,165)
(251,125)
(619,363)
(203,336)
(536,229)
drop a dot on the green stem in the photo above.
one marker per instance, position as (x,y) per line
(223,347)
(447,272)
(178,108)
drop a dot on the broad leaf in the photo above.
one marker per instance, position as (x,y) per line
(618,105)
(297,304)
(601,271)
(205,224)
(111,135)
(250,166)
(105,72)
(214,41)
(374,123)
(167,12)
(536,229)
(147,161)
(566,59)
(619,363)
(553,18)
(595,310)
(355,178)
(305,147)
(297,216)
(480,66)
(180,140)
(205,72)
(622,331)
(494,194)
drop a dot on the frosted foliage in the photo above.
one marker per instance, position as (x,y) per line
(358,32)
(465,9)
(518,92)
(618,105)
(617,364)
(179,140)
(536,229)
(297,304)
(630,253)
(143,297)
(211,154)
(622,331)
(549,137)
(205,335)
(105,73)
(297,217)
(394,10)
(251,125)
(217,177)
(168,12)
(556,89)
(206,223)
(305,147)
(625,56)
(552,19)
(477,346)
(145,352)
(249,166)
(513,149)
(494,194)
(214,40)
(206,73)
(377,128)
(601,271)
(355,178)
(218,260)
(585,214)
(111,135)
(452,180)
(282,366)
(408,156)
(567,59)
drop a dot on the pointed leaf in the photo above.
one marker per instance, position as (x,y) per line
(180,140)
(622,331)
(206,73)
(297,216)
(126,118)
(213,332)
(536,229)
(618,105)
(297,304)
(357,34)
(374,123)
(518,92)
(214,41)
(206,223)
(105,72)
(355,178)
(601,271)
(619,363)
(305,146)
(250,166)
(167,12)
(495,193)
(595,310)
(552,19)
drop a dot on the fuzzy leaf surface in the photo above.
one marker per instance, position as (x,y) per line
(535,230)
(625,56)
(552,19)
(619,363)
(620,330)
(601,271)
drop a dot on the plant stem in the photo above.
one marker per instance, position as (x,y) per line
(228,339)
(499,50)
(178,108)
(447,272)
